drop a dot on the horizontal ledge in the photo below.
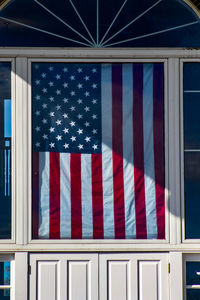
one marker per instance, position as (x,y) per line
(192,150)
(192,91)
(193,286)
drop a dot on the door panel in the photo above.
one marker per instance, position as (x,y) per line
(134,276)
(64,276)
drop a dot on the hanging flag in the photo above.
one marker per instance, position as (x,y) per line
(98,151)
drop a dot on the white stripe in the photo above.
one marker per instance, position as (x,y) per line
(65,196)
(44,195)
(149,174)
(86,196)
(107,163)
(129,193)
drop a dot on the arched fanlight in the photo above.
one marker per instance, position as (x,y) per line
(195,5)
(3,3)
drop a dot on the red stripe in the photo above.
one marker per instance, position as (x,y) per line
(76,207)
(158,116)
(97,196)
(117,144)
(138,146)
(35,195)
(54,195)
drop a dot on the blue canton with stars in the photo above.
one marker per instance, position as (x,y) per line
(66,107)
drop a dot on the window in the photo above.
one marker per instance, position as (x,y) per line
(98,160)
(5,150)
(192,149)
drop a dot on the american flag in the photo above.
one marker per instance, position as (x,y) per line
(98,151)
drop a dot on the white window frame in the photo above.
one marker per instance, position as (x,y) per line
(189,258)
(184,240)
(97,243)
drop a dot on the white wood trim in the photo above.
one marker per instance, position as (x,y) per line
(176,275)
(174,150)
(21,276)
(21,151)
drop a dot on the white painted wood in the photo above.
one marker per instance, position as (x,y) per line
(149,280)
(176,275)
(21,160)
(64,276)
(174,151)
(21,276)
(134,276)
(47,280)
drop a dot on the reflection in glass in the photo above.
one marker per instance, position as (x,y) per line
(192,294)
(5,294)
(192,273)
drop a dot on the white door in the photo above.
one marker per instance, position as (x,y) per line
(134,276)
(64,277)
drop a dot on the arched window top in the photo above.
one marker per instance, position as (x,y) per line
(100,23)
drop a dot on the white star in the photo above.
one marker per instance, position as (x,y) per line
(51,129)
(87,139)
(72,93)
(80,86)
(52,114)
(73,138)
(94,131)
(66,130)
(65,70)
(44,121)
(58,107)
(72,123)
(52,145)
(50,68)
(80,131)
(65,100)
(59,137)
(37,113)
(44,105)
(95,147)
(94,86)
(80,146)
(94,117)
(80,70)
(72,77)
(66,146)
(80,101)
(58,76)
(37,97)
(87,108)
(80,116)
(37,144)
(65,84)
(37,128)
(72,108)
(45,137)
(87,124)
(44,75)
(36,67)
(51,83)
(37,82)
(94,70)
(87,94)
(51,99)
(58,122)
(44,90)
(58,92)
(87,78)
(94,101)
(65,116)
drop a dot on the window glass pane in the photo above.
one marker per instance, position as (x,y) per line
(192,273)
(193,294)
(98,151)
(5,150)
(5,294)
(5,273)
